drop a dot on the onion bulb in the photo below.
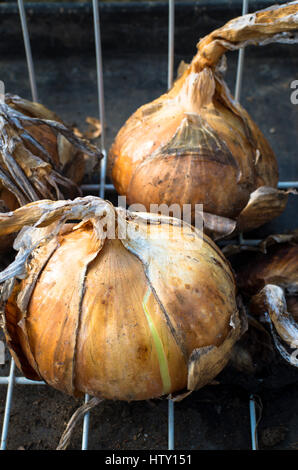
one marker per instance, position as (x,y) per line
(119,305)
(196,145)
(268,281)
(39,156)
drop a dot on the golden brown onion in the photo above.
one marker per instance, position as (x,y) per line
(39,156)
(195,144)
(148,312)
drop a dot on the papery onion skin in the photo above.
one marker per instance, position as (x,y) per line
(122,319)
(182,146)
(276,263)
(267,278)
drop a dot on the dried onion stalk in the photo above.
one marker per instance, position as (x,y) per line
(39,156)
(268,281)
(195,144)
(149,313)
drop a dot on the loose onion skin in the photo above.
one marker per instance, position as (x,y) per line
(268,281)
(126,318)
(277,265)
(182,146)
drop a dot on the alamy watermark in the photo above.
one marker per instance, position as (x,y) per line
(2,92)
(294,354)
(294,94)
(2,353)
(177,221)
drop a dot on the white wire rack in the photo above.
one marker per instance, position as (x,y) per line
(101,188)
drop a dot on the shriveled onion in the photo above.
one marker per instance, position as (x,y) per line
(39,156)
(268,281)
(147,313)
(196,145)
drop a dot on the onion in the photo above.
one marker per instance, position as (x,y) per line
(268,281)
(39,156)
(196,145)
(148,312)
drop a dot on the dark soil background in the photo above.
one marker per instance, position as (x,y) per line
(134,40)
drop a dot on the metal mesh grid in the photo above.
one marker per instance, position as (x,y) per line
(11,379)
